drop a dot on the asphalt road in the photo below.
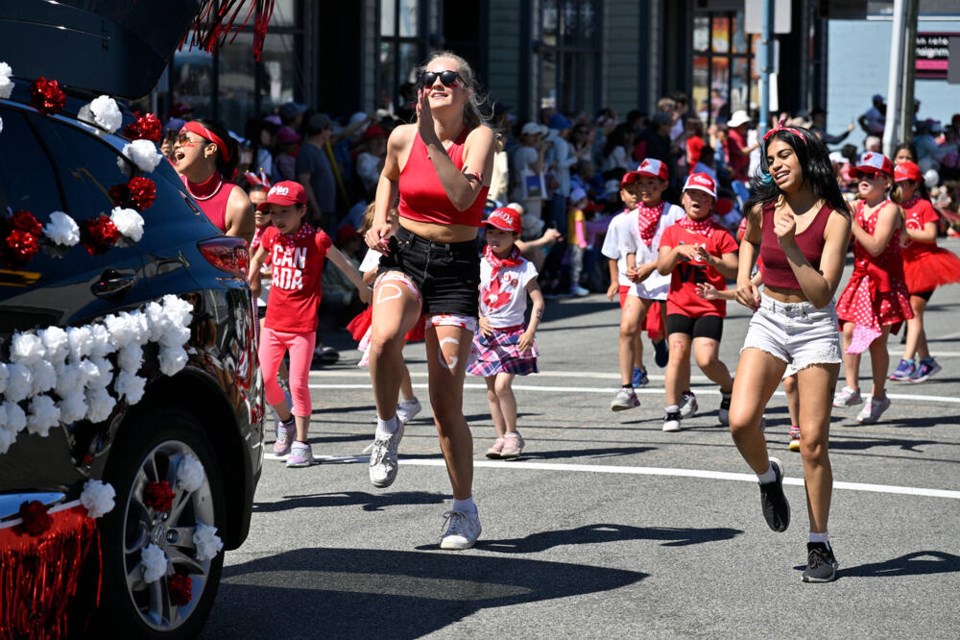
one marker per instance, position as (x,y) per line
(607,527)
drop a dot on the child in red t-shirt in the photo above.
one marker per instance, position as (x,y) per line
(297,252)
(696,250)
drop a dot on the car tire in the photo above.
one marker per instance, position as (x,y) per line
(151,448)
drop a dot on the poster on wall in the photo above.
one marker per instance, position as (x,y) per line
(933,55)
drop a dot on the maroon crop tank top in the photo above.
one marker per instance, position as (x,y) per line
(422,196)
(776,269)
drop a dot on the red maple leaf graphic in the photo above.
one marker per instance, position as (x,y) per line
(493,297)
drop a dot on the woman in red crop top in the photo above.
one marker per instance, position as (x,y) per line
(799,222)
(440,168)
(205,156)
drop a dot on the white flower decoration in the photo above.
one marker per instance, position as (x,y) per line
(16,420)
(4,376)
(103,112)
(81,341)
(6,84)
(190,474)
(207,542)
(1,121)
(128,222)
(97,498)
(131,386)
(44,414)
(26,348)
(44,377)
(19,382)
(154,562)
(143,153)
(73,408)
(101,405)
(55,342)
(7,436)
(62,229)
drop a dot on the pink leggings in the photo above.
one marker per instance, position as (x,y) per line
(273,344)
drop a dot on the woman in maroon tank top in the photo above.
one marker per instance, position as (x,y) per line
(440,168)
(206,156)
(794,322)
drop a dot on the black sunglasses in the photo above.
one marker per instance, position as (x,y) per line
(447,77)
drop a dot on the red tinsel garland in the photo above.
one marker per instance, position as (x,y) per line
(218,18)
(47,96)
(158,495)
(146,127)
(98,234)
(38,575)
(180,588)
(26,222)
(36,520)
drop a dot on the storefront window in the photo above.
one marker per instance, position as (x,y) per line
(724,78)
(570,56)
(401,51)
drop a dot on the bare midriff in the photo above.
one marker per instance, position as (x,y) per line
(440,232)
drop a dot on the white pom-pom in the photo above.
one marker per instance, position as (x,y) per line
(44,414)
(104,113)
(87,371)
(44,377)
(130,357)
(125,328)
(142,153)
(62,229)
(55,342)
(130,386)
(172,360)
(190,474)
(73,407)
(7,436)
(26,348)
(154,562)
(19,382)
(97,498)
(81,341)
(207,542)
(100,403)
(1,119)
(100,340)
(6,84)
(103,375)
(128,222)
(4,376)
(16,419)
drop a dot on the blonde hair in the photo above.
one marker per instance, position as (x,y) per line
(368,215)
(472,112)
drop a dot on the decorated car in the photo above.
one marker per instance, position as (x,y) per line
(131,411)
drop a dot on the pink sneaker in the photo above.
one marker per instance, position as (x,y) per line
(512,446)
(496,450)
(301,455)
(286,432)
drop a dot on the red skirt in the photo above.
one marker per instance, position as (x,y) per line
(361,323)
(931,269)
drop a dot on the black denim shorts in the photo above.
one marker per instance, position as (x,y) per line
(446,273)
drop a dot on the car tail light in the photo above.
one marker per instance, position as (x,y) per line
(228,254)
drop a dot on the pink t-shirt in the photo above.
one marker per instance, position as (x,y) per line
(298,261)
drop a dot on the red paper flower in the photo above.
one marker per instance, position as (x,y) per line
(141,193)
(48,97)
(146,127)
(158,495)
(119,194)
(98,234)
(19,247)
(36,520)
(180,588)
(26,222)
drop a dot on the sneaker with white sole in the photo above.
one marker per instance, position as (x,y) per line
(822,565)
(872,411)
(723,414)
(383,458)
(672,419)
(773,502)
(847,397)
(794,438)
(495,449)
(640,378)
(301,455)
(462,532)
(904,371)
(688,404)
(407,410)
(512,446)
(626,399)
(286,432)
(927,367)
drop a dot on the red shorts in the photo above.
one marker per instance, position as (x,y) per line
(623,294)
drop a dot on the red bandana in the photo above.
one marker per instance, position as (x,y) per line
(906,204)
(703,226)
(496,262)
(290,239)
(647,220)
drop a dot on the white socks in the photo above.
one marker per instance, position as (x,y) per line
(465,506)
(820,537)
(768,477)
(387,427)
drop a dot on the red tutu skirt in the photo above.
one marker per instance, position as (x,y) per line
(359,326)
(933,268)
(888,307)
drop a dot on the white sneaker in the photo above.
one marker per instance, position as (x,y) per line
(462,532)
(579,291)
(671,419)
(688,404)
(407,410)
(383,458)
(625,399)
(847,397)
(872,411)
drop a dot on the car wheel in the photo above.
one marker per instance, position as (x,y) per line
(152,449)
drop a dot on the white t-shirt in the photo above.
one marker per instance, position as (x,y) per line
(504,301)
(623,237)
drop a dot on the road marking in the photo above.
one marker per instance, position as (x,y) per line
(688,473)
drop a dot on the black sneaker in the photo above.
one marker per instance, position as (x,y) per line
(821,564)
(776,509)
(661,353)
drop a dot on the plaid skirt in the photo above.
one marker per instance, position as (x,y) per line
(500,354)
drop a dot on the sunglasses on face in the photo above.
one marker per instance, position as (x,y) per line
(184,141)
(447,77)
(867,175)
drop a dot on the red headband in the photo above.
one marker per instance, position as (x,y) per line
(780,127)
(206,134)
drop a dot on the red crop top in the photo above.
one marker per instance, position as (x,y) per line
(776,269)
(422,196)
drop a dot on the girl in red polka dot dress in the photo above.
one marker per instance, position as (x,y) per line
(875,298)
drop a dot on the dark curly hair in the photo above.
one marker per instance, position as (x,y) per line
(813,158)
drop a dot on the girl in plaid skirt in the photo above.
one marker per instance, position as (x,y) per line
(504,347)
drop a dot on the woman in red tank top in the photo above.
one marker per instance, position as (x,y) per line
(794,323)
(440,168)
(206,156)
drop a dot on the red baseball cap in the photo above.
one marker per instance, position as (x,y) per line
(703,182)
(649,168)
(285,194)
(505,219)
(872,162)
(907,171)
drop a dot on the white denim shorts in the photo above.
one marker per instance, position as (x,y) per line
(798,333)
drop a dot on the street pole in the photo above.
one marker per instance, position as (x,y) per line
(892,127)
(766,62)
(909,72)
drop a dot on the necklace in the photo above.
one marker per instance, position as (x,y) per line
(204,184)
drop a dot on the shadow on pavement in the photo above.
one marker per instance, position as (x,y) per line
(919,563)
(602,452)
(364,593)
(862,445)
(367,501)
(594,533)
